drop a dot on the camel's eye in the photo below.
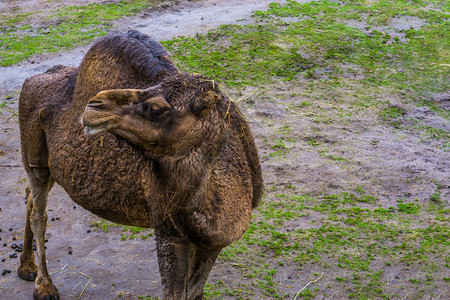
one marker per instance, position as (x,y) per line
(152,111)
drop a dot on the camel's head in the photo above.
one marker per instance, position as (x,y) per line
(171,118)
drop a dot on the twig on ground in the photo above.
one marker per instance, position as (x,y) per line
(90,279)
(237,101)
(54,272)
(77,285)
(312,281)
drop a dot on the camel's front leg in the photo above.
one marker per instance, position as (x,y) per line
(184,267)
(175,257)
(200,268)
(40,184)
(28,269)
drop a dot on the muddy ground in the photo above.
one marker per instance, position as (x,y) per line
(387,163)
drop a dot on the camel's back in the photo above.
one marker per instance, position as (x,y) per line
(54,87)
(122,61)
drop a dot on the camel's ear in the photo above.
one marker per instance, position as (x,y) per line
(204,102)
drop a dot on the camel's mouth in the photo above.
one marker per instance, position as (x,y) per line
(96,121)
(90,130)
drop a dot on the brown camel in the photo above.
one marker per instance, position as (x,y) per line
(154,148)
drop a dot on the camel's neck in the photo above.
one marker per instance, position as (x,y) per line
(182,176)
(183,180)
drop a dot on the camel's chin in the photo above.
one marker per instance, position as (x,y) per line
(91,131)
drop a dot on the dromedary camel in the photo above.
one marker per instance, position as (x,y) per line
(154,148)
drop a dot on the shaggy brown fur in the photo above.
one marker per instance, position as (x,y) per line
(157,148)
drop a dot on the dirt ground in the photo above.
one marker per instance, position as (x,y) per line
(384,161)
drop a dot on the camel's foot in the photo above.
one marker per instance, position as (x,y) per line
(46,292)
(27,273)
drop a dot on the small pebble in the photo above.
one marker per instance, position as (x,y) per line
(88,231)
(14,246)
(14,255)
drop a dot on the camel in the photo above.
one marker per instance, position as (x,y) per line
(135,141)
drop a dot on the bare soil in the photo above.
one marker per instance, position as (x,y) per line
(388,163)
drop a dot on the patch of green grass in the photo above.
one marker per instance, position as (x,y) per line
(250,51)
(445,113)
(104,224)
(10,20)
(391,112)
(436,197)
(66,28)
(408,208)
(265,52)
(435,133)
(354,238)
(128,232)
(280,149)
(311,42)
(132,232)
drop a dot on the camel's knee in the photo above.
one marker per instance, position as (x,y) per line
(41,175)
(41,182)
(38,219)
